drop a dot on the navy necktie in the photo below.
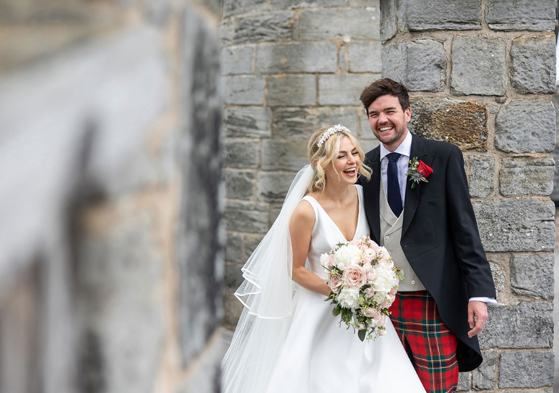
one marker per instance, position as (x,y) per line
(393,193)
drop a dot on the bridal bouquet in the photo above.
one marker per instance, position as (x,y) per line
(364,281)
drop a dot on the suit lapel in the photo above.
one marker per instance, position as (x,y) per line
(412,195)
(374,224)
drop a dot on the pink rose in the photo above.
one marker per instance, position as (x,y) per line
(380,319)
(371,275)
(371,313)
(393,291)
(329,262)
(364,247)
(355,276)
(383,254)
(354,242)
(334,282)
(369,292)
(373,246)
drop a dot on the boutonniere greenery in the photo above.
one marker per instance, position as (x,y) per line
(418,172)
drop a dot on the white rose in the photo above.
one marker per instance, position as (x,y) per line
(349,298)
(348,255)
(385,279)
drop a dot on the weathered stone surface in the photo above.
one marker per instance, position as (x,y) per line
(365,129)
(246,217)
(526,325)
(533,177)
(482,57)
(237,7)
(287,4)
(301,123)
(463,382)
(297,57)
(419,65)
(246,121)
(233,277)
(342,89)
(533,64)
(523,127)
(520,14)
(158,11)
(237,59)
(526,369)
(239,184)
(369,144)
(242,153)
(481,176)
(333,24)
(262,27)
(485,376)
(532,275)
(226,31)
(498,275)
(290,155)
(364,3)
(233,309)
(365,57)
(463,123)
(419,15)
(275,210)
(388,18)
(273,186)
(516,225)
(244,90)
(291,90)
(251,242)
(234,247)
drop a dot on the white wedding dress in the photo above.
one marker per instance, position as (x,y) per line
(321,356)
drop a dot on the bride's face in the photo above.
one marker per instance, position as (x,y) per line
(344,167)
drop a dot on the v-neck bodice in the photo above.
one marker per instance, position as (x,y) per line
(326,234)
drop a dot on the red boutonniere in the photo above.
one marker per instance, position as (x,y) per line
(418,172)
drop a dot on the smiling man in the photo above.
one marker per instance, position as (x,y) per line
(428,226)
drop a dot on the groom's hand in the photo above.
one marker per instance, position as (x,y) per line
(477,316)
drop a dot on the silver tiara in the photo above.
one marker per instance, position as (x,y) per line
(331,131)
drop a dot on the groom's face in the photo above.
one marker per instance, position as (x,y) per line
(389,121)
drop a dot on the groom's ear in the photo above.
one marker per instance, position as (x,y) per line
(407,114)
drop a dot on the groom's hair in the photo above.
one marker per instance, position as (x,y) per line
(383,87)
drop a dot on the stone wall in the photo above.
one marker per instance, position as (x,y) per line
(111,261)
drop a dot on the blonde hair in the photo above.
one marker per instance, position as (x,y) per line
(322,156)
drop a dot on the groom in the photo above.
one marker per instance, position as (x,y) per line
(430,230)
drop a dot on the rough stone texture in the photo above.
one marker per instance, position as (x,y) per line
(246,217)
(251,242)
(533,64)
(292,90)
(532,275)
(482,57)
(526,325)
(463,123)
(233,277)
(524,126)
(226,31)
(499,276)
(284,4)
(516,225)
(463,382)
(342,89)
(485,376)
(520,14)
(388,18)
(242,153)
(526,369)
(244,90)
(419,65)
(365,57)
(297,57)
(273,186)
(234,247)
(481,176)
(239,184)
(263,27)
(233,309)
(246,122)
(237,59)
(236,7)
(533,177)
(289,155)
(555,193)
(301,123)
(333,24)
(422,15)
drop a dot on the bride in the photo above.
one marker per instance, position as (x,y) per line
(287,343)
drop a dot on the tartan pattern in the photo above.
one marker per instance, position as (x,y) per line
(429,343)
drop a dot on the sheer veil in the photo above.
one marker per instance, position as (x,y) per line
(266,294)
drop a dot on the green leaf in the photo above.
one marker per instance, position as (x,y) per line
(362,334)
(336,311)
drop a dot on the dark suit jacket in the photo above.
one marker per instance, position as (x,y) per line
(440,237)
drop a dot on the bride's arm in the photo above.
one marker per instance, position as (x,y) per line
(300,229)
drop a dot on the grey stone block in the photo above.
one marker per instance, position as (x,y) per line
(290,155)
(419,65)
(485,377)
(262,27)
(365,57)
(532,275)
(533,177)
(524,127)
(520,14)
(464,382)
(369,144)
(234,247)
(233,277)
(526,369)
(533,64)
(422,15)
(526,325)
(273,186)
(499,276)
(251,242)
(233,309)
(297,57)
(244,90)
(226,31)
(275,210)
(463,123)
(239,184)
(290,4)
(343,89)
(237,7)
(301,123)
(246,122)
(246,217)
(237,59)
(516,225)
(481,176)
(388,19)
(360,24)
(478,66)
(365,129)
(292,90)
(242,153)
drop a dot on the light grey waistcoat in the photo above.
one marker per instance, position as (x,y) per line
(390,235)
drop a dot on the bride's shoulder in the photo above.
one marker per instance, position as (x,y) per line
(304,212)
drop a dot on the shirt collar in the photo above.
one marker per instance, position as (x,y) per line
(404,148)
